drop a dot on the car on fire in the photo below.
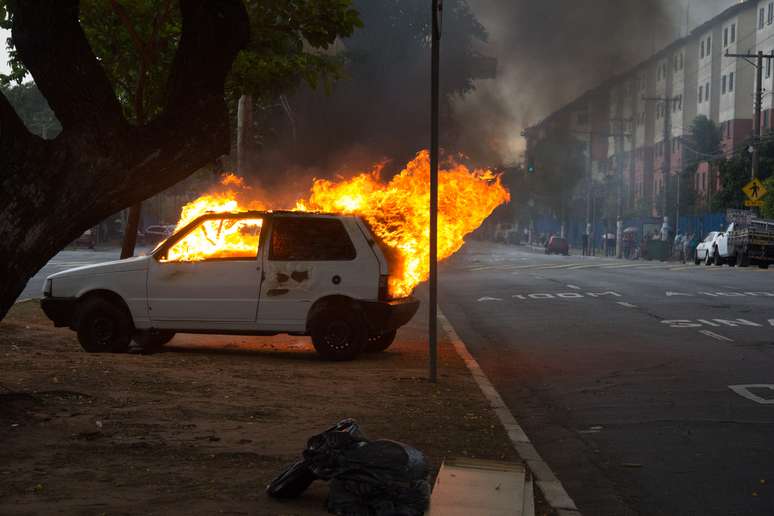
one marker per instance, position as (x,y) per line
(243,273)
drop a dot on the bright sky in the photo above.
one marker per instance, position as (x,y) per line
(3,53)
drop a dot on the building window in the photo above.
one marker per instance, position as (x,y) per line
(768,67)
(761,18)
(709,45)
(771,12)
(723,85)
(766,119)
(702,49)
(725,37)
(731,82)
(733,32)
(701,94)
(706,91)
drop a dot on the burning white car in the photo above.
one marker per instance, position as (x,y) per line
(246,273)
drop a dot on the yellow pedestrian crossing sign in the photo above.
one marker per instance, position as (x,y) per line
(755,190)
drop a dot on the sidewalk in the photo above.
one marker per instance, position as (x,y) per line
(204,426)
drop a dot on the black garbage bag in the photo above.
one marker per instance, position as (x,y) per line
(367,478)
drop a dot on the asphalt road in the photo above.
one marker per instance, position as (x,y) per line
(626,374)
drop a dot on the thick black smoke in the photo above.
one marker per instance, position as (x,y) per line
(547,53)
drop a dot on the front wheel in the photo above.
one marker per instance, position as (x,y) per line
(150,341)
(338,332)
(380,342)
(103,327)
(718,260)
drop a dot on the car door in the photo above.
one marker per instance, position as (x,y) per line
(307,257)
(209,275)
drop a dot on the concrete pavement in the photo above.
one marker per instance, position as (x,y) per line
(629,377)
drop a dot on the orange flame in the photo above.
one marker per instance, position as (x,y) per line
(397,212)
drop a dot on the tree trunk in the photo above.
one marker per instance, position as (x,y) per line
(51,191)
(129,241)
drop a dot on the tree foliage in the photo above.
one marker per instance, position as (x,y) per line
(136,40)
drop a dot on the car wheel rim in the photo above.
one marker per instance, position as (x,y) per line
(102,330)
(339,336)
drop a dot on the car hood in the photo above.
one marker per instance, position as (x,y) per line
(137,263)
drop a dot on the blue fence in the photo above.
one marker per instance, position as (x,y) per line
(699,224)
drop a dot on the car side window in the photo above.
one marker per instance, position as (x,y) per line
(218,239)
(310,239)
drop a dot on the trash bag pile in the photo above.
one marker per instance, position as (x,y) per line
(367,478)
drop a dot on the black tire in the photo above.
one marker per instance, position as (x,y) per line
(377,343)
(151,341)
(716,258)
(103,327)
(696,260)
(763,265)
(707,258)
(338,332)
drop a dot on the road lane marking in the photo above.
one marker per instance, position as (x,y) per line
(744,391)
(574,287)
(672,294)
(551,487)
(715,336)
(627,305)
(485,299)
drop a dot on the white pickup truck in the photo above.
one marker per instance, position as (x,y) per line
(246,273)
(743,244)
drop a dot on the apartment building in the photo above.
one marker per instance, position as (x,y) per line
(691,77)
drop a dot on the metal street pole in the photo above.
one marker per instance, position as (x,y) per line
(433,308)
(756,164)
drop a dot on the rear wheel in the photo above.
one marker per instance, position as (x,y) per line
(380,342)
(717,259)
(338,332)
(103,327)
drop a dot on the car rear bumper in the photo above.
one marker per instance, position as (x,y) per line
(59,309)
(389,315)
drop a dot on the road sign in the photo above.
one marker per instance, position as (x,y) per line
(754,190)
(753,203)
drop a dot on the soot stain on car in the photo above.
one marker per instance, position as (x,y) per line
(300,276)
(282,277)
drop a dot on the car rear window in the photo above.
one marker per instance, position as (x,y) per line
(310,239)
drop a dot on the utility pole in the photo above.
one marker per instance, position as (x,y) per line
(619,152)
(437,7)
(666,162)
(758,64)
(589,187)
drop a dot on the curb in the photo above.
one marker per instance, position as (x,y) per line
(546,480)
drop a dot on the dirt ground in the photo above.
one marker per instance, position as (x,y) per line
(202,427)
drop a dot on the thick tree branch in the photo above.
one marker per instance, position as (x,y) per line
(64,66)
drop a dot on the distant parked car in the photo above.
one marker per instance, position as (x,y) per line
(506,233)
(87,239)
(557,245)
(156,233)
(705,248)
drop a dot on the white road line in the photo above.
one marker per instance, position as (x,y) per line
(574,287)
(549,484)
(485,299)
(715,336)
(627,305)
